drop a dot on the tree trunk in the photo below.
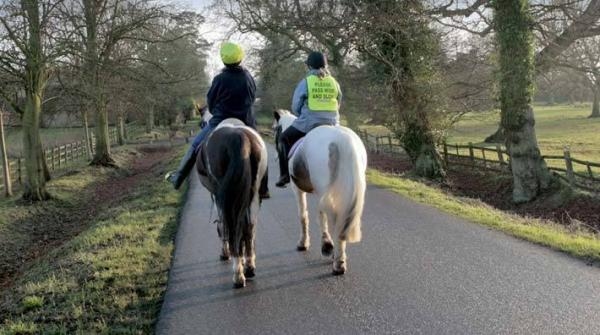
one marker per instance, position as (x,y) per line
(149,120)
(516,56)
(35,167)
(596,104)
(5,163)
(418,141)
(36,171)
(102,155)
(497,137)
(120,130)
(88,138)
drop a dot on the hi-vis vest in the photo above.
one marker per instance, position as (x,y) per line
(322,93)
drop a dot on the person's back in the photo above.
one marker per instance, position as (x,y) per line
(232,94)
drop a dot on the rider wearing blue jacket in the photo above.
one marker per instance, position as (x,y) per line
(316,102)
(231,95)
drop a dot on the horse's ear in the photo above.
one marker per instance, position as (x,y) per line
(276,115)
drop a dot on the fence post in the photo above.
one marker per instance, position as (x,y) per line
(471,153)
(5,163)
(390,143)
(445,153)
(500,155)
(569,166)
(19,174)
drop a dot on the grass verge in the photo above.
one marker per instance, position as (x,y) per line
(577,243)
(110,278)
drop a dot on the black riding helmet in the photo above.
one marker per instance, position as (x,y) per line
(316,60)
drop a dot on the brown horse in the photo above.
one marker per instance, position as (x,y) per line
(231,164)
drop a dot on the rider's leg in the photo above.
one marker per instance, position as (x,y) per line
(178,176)
(286,141)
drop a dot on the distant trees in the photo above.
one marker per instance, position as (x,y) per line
(92,54)
(401,51)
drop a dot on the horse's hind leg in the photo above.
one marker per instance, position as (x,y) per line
(326,242)
(239,280)
(250,261)
(339,258)
(225,254)
(304,242)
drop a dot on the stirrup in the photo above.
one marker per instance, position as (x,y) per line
(282,182)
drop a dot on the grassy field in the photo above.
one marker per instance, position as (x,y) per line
(556,127)
(108,278)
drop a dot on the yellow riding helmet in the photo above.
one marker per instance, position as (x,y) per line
(231,53)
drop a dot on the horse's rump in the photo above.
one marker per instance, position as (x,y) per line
(229,165)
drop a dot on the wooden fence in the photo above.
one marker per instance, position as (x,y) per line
(65,156)
(495,158)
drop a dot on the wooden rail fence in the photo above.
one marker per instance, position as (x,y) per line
(495,158)
(64,156)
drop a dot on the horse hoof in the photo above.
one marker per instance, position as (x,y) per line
(224,258)
(301,248)
(249,272)
(339,272)
(239,285)
(327,249)
(339,268)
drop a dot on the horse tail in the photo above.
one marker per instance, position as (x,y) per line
(235,191)
(347,188)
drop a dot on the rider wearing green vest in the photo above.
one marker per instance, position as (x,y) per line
(316,102)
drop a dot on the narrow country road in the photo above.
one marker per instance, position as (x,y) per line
(417,271)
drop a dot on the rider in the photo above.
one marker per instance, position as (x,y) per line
(231,95)
(316,102)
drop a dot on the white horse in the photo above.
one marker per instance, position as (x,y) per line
(331,163)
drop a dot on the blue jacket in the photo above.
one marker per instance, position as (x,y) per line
(307,119)
(232,94)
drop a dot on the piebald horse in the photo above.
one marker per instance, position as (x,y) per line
(330,163)
(231,164)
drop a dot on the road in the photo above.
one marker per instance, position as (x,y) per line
(417,271)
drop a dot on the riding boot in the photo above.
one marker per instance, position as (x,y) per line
(284,173)
(185,167)
(263,191)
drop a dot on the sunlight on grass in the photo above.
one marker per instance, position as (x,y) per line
(556,127)
(108,279)
(578,244)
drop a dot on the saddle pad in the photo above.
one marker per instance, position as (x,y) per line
(295,147)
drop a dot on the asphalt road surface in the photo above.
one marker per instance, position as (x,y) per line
(417,271)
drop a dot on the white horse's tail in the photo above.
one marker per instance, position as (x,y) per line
(346,194)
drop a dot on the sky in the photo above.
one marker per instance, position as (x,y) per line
(216,30)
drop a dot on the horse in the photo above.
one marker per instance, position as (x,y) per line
(331,163)
(231,164)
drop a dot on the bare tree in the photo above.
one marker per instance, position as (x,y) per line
(30,45)
(584,57)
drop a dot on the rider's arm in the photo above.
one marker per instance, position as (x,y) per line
(211,96)
(300,95)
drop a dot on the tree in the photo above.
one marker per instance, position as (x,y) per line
(30,45)
(103,26)
(517,72)
(584,57)
(400,38)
